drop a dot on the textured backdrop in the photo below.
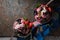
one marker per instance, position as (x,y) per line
(10,10)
